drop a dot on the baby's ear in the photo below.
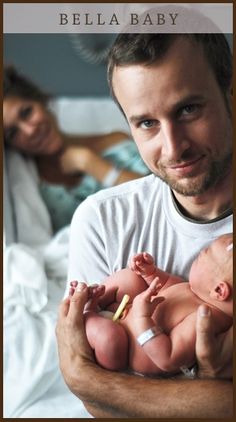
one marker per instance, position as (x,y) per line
(221,292)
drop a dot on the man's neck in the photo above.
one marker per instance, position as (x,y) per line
(210,205)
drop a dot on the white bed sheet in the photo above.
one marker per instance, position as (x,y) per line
(35,272)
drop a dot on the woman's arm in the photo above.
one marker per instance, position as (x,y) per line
(83,159)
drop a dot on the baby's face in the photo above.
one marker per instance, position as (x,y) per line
(207,267)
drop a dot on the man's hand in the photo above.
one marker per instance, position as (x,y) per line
(214,353)
(73,348)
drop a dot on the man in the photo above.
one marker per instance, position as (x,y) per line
(175,91)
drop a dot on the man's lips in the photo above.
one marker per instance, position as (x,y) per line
(185,163)
(186,167)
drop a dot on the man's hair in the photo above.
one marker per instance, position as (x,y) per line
(146,49)
(17,85)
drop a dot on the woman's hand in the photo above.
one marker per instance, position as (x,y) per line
(214,353)
(76,159)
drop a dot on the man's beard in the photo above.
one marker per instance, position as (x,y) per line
(197,185)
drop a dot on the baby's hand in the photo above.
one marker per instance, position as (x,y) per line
(146,302)
(142,264)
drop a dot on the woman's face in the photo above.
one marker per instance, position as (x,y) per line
(30,127)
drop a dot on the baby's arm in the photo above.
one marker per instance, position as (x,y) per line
(169,351)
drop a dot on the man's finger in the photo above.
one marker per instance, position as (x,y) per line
(62,313)
(64,308)
(204,333)
(78,301)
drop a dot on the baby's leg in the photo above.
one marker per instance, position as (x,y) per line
(118,284)
(143,264)
(109,341)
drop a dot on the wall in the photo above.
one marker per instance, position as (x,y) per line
(53,63)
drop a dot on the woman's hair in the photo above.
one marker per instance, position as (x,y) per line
(146,49)
(17,85)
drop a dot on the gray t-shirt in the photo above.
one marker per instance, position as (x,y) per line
(112,225)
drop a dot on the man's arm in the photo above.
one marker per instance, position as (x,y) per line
(118,395)
(110,394)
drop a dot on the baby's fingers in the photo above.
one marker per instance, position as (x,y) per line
(148,258)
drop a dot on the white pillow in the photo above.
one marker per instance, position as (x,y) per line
(89,115)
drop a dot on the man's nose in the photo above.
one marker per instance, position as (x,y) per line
(174,140)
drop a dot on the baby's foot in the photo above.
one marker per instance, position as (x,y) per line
(94,292)
(73,285)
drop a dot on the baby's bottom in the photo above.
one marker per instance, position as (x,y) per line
(109,341)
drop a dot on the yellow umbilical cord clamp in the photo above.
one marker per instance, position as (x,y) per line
(121,307)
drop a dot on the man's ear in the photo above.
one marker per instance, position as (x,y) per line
(221,292)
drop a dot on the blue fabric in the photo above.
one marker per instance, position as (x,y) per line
(62,202)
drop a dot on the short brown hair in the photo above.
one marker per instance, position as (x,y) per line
(146,49)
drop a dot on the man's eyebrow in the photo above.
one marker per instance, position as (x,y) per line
(139,118)
(175,107)
(188,100)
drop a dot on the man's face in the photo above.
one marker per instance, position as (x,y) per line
(178,118)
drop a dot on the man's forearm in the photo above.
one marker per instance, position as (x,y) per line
(110,394)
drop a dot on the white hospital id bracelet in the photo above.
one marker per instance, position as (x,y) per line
(148,335)
(111,177)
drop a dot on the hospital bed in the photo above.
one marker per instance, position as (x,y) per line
(35,271)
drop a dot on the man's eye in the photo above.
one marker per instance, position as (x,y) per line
(188,109)
(26,112)
(147,124)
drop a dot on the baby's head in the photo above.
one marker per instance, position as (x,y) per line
(211,274)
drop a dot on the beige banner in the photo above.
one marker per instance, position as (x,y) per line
(117,17)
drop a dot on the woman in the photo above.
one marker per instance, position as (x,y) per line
(70,167)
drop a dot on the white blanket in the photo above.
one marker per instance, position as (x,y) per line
(35,272)
(34,285)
